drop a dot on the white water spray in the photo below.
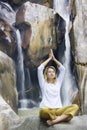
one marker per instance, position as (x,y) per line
(69,89)
(20,65)
(23,102)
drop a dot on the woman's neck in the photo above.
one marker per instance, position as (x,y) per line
(51,80)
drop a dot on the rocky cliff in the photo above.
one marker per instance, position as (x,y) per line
(79,46)
(41,28)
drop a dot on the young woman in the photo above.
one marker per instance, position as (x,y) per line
(51,108)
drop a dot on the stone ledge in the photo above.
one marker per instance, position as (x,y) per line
(34,123)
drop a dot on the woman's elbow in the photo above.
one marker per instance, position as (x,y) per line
(63,68)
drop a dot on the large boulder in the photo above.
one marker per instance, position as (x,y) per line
(7,13)
(8,81)
(79,47)
(4,122)
(8,117)
(8,40)
(41,19)
(80,33)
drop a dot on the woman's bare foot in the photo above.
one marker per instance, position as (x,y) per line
(57,120)
(52,122)
(49,122)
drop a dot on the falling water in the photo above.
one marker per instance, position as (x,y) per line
(21,75)
(20,65)
(69,89)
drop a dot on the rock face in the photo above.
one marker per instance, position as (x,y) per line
(7,13)
(8,81)
(79,47)
(8,117)
(47,3)
(4,122)
(41,20)
(34,123)
(7,38)
(80,33)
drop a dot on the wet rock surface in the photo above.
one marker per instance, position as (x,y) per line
(32,122)
(8,41)
(79,46)
(8,118)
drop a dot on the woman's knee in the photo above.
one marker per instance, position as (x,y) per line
(43,113)
(75,106)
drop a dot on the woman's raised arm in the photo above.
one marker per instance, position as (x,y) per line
(54,59)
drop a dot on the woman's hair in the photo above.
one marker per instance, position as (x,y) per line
(45,73)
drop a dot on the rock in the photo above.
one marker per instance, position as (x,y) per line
(47,3)
(8,81)
(25,32)
(4,122)
(34,123)
(81,77)
(79,32)
(7,13)
(8,41)
(80,54)
(79,47)
(8,117)
(41,19)
(83,91)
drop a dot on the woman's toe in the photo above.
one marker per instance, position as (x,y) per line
(49,122)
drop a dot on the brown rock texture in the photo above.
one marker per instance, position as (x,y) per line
(8,81)
(41,19)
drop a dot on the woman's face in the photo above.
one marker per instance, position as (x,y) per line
(51,73)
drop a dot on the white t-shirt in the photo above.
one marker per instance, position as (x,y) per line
(50,91)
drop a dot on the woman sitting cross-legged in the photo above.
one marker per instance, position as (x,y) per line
(51,108)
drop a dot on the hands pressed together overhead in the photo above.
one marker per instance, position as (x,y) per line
(51,55)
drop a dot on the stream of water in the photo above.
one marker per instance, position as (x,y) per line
(21,76)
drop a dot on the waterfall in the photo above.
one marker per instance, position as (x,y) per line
(28,82)
(21,75)
(69,88)
(20,65)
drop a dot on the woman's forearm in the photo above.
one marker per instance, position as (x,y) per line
(57,62)
(46,61)
(51,57)
(54,59)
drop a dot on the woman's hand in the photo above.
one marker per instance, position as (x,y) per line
(54,59)
(52,55)
(49,59)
